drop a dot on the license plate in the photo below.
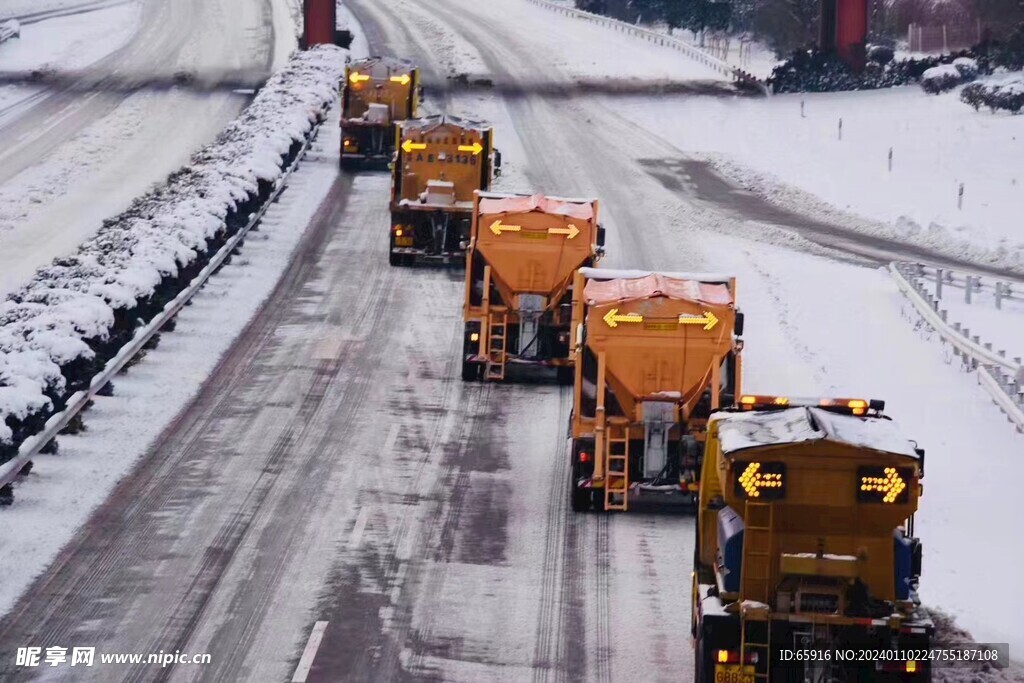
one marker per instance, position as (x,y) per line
(733,673)
(530,235)
(661,327)
(403,241)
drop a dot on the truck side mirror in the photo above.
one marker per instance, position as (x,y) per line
(600,235)
(738,329)
(497,163)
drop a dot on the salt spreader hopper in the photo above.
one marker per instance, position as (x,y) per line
(656,354)
(522,255)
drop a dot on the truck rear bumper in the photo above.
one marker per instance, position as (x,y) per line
(455,258)
(645,495)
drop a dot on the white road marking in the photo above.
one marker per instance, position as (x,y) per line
(357,531)
(309,654)
(391,439)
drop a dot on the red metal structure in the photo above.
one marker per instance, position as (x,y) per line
(844,28)
(320,19)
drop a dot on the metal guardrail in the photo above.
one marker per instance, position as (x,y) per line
(32,446)
(661,39)
(1001,377)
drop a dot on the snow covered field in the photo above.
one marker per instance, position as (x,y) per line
(70,42)
(938,144)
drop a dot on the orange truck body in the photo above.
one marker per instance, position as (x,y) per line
(655,354)
(377,92)
(439,163)
(522,255)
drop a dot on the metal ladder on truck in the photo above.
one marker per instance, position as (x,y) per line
(616,466)
(755,622)
(497,336)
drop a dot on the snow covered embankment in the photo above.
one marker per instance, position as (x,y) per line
(74,315)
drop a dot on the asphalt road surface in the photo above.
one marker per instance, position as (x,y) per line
(335,477)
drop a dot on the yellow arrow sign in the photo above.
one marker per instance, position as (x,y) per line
(475,148)
(891,484)
(613,318)
(709,320)
(409,146)
(753,480)
(569,232)
(358,77)
(497,228)
(403,79)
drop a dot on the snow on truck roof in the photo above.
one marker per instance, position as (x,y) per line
(426,123)
(597,292)
(740,431)
(389,62)
(613,274)
(494,203)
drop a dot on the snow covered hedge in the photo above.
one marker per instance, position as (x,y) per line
(1006,94)
(75,314)
(939,79)
(817,71)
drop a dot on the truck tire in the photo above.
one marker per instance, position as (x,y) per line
(470,371)
(579,497)
(597,499)
(565,376)
(395,259)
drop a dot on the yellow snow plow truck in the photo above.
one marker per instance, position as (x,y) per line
(805,558)
(440,161)
(377,93)
(655,354)
(523,253)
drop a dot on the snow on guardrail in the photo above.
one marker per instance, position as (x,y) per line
(694,53)
(84,318)
(1000,376)
(9,29)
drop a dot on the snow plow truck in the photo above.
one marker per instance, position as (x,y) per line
(377,93)
(805,552)
(440,161)
(522,255)
(655,355)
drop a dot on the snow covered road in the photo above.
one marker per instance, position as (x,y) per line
(71,159)
(335,469)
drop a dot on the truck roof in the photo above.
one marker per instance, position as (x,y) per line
(613,274)
(427,123)
(741,431)
(390,62)
(598,292)
(494,203)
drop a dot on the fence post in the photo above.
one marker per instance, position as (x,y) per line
(968,285)
(938,283)
(945,43)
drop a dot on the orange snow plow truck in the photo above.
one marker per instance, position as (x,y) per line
(655,355)
(806,545)
(440,161)
(377,92)
(523,252)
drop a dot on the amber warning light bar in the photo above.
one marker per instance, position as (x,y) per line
(854,406)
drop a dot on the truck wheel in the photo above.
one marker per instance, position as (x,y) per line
(470,371)
(580,497)
(698,660)
(566,376)
(395,259)
(597,499)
